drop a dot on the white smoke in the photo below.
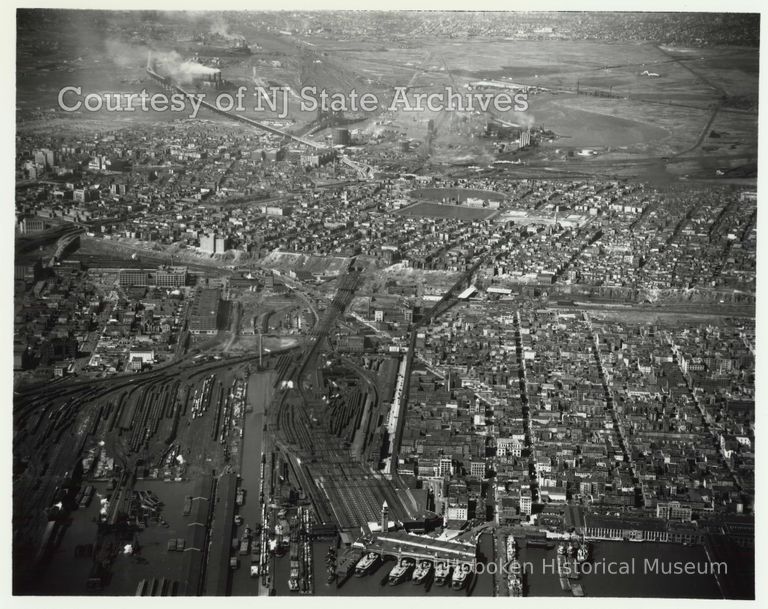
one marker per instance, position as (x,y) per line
(182,70)
(221,28)
(168,63)
(185,71)
(519,120)
(526,120)
(125,55)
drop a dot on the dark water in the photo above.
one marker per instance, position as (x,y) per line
(542,579)
(541,575)
(370,585)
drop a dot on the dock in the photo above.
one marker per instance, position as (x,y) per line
(567,572)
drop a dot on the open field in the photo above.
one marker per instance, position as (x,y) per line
(437,210)
(660,113)
(604,123)
(437,194)
(317,265)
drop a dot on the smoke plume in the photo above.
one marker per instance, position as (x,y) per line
(170,63)
(221,28)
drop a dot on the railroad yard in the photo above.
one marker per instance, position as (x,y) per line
(129,461)
(364,353)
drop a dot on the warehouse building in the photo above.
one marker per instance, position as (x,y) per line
(204,316)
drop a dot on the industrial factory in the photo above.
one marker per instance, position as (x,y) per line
(189,71)
(210,79)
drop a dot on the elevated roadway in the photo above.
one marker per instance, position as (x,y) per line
(168,84)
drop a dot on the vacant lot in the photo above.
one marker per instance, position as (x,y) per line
(437,210)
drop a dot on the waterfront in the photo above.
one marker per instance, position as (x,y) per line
(541,577)
(541,580)
(371,584)
(258,396)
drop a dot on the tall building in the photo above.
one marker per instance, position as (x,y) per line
(457,511)
(477,469)
(673,510)
(526,502)
(446,467)
(83,195)
(31,170)
(273,155)
(208,243)
(32,225)
(131,277)
(171,276)
(50,158)
(213,244)
(39,157)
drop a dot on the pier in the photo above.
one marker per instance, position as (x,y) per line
(398,544)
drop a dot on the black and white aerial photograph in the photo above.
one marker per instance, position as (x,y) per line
(430,303)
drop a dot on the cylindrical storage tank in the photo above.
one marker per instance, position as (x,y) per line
(341,137)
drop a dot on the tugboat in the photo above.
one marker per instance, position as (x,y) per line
(572,549)
(442,571)
(582,555)
(460,575)
(400,571)
(422,570)
(365,564)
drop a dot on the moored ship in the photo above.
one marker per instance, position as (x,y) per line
(442,572)
(400,571)
(460,575)
(515,585)
(582,555)
(366,563)
(511,548)
(539,542)
(421,572)
(345,563)
(330,564)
